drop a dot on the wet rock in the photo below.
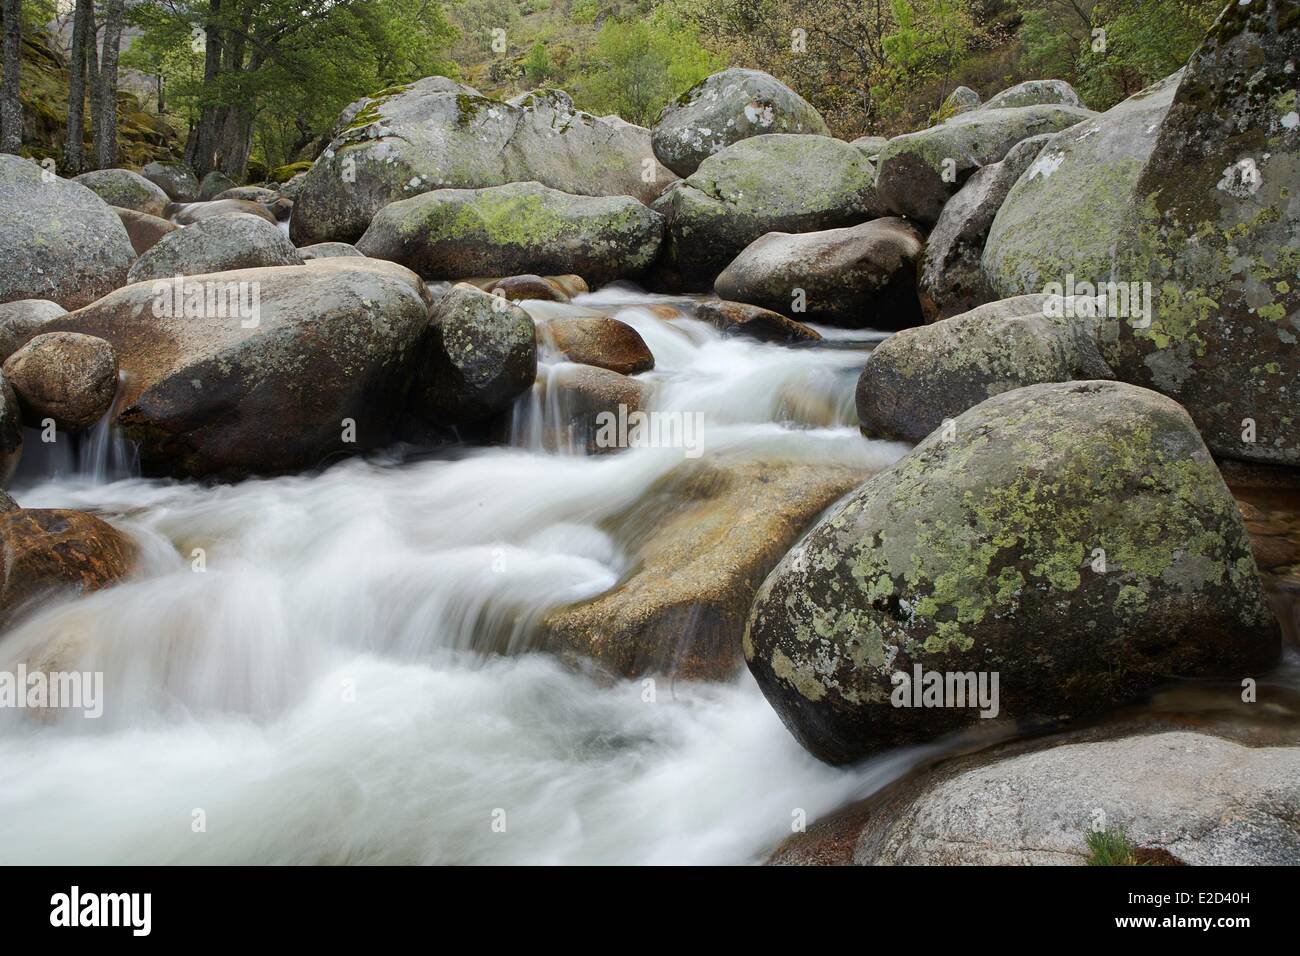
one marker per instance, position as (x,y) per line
(54,551)
(219,244)
(121,187)
(145,230)
(263,370)
(602,342)
(514,229)
(519,288)
(328,250)
(64,376)
(435,134)
(214,184)
(1190,797)
(483,356)
(11,435)
(23,319)
(190,213)
(921,377)
(58,240)
(724,109)
(952,274)
(175,179)
(859,276)
(697,567)
(1076,539)
(1034,93)
(918,172)
(740,318)
(774,183)
(583,393)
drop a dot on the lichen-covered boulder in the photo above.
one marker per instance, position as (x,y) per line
(124,188)
(919,171)
(175,179)
(513,229)
(145,230)
(483,355)
(960,100)
(64,376)
(1064,215)
(599,341)
(219,244)
(435,134)
(328,250)
(870,145)
(1033,93)
(22,319)
(859,276)
(1074,539)
(724,109)
(261,371)
(56,551)
(58,240)
(952,273)
(1216,231)
(773,183)
(919,378)
(214,184)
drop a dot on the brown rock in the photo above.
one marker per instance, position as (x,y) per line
(582,393)
(740,318)
(143,228)
(516,288)
(65,376)
(603,342)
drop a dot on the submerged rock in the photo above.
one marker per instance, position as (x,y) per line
(64,376)
(1075,539)
(219,244)
(724,109)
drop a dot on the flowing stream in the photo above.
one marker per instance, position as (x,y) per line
(336,668)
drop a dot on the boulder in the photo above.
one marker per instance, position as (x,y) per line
(483,356)
(435,134)
(22,319)
(219,244)
(328,250)
(778,182)
(858,276)
(724,109)
(513,229)
(520,288)
(1179,796)
(261,371)
(64,376)
(175,179)
(259,194)
(741,318)
(695,571)
(918,172)
(121,187)
(190,213)
(145,230)
(1076,540)
(1216,231)
(53,551)
(1033,93)
(58,240)
(11,435)
(214,184)
(1064,215)
(581,394)
(602,342)
(919,378)
(961,100)
(870,145)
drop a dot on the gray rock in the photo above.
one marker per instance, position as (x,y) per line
(214,184)
(328,250)
(857,277)
(779,182)
(952,274)
(982,551)
(58,240)
(436,135)
(273,371)
(870,145)
(219,244)
(190,213)
(63,376)
(1215,230)
(919,171)
(1064,215)
(513,229)
(175,179)
(23,319)
(724,109)
(1202,799)
(916,379)
(1034,93)
(122,187)
(483,356)
(961,100)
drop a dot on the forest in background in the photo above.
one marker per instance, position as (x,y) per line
(253,87)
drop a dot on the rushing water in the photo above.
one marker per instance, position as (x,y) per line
(330,687)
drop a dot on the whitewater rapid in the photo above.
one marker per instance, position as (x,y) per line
(336,668)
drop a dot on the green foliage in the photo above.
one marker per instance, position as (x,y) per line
(537,65)
(584,11)
(1110,848)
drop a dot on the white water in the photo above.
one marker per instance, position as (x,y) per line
(328,689)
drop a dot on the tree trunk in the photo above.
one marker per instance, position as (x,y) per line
(74,147)
(200,149)
(92,81)
(106,107)
(11,110)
